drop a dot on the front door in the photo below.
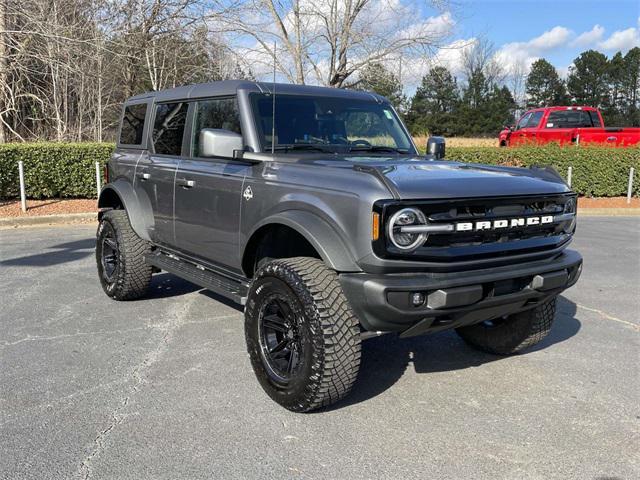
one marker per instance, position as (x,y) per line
(527,128)
(208,191)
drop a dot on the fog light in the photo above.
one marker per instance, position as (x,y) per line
(417,299)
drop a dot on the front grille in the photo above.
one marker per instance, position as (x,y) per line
(464,245)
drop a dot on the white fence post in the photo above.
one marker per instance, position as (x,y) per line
(98,179)
(630,186)
(569,175)
(23,195)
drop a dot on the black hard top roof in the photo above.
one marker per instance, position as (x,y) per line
(230,87)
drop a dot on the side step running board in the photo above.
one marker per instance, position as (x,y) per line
(235,289)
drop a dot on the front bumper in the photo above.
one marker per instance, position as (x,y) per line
(383,301)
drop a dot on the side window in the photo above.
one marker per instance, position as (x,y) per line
(220,113)
(522,123)
(595,119)
(168,128)
(534,120)
(133,124)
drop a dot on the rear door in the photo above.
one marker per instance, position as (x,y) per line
(167,137)
(209,190)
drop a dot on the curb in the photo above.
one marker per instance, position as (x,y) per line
(62,219)
(608,212)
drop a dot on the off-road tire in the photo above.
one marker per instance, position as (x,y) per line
(329,333)
(132,275)
(513,333)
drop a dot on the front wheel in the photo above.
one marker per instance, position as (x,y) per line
(512,333)
(302,337)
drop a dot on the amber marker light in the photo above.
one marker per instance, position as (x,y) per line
(375,226)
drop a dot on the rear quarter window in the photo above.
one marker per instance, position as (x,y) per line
(133,124)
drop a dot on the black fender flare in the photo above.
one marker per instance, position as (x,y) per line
(138,207)
(333,249)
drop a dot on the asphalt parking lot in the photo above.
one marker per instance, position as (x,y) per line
(163,388)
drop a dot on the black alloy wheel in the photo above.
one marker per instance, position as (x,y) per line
(280,341)
(109,254)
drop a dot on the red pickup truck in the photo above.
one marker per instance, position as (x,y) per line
(567,126)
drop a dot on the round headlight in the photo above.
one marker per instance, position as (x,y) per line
(404,218)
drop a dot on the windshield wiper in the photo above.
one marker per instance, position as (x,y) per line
(377,148)
(298,146)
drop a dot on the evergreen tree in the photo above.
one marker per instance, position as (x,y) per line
(502,105)
(434,103)
(376,78)
(630,88)
(614,108)
(544,87)
(588,79)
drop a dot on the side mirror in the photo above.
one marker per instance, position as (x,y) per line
(435,148)
(214,142)
(509,127)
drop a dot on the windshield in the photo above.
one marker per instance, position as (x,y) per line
(307,123)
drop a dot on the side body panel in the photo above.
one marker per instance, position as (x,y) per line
(329,206)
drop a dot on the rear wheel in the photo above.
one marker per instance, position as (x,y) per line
(512,333)
(124,275)
(302,337)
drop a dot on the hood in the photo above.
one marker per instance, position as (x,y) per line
(440,179)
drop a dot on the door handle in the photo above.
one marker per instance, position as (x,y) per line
(183,182)
(144,176)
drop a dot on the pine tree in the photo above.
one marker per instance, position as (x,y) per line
(433,106)
(588,79)
(375,77)
(544,87)
(630,88)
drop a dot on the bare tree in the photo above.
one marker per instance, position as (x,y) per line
(480,57)
(516,79)
(67,65)
(3,69)
(328,41)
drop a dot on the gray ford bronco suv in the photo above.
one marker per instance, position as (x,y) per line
(313,209)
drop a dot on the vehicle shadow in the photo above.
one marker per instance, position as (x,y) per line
(166,285)
(56,255)
(385,358)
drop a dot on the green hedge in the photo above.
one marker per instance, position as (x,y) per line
(597,171)
(68,169)
(52,169)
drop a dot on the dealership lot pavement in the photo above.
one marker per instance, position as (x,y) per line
(162,387)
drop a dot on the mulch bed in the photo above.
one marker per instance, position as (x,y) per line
(52,206)
(11,208)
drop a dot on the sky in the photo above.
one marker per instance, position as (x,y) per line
(520,31)
(557,30)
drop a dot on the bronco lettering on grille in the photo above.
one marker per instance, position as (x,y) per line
(503,223)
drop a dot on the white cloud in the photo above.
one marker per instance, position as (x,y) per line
(623,40)
(588,38)
(553,38)
(514,54)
